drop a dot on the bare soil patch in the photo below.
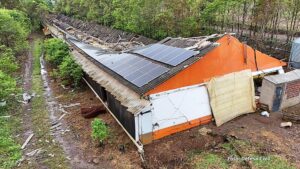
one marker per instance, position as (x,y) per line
(83,151)
(265,136)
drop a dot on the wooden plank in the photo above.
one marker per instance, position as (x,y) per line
(27,141)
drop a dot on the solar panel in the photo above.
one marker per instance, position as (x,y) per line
(137,70)
(166,54)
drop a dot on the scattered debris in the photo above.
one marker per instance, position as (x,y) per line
(64,87)
(33,94)
(26,97)
(57,97)
(262,107)
(64,111)
(63,115)
(286,124)
(96,161)
(32,153)
(122,148)
(265,113)
(21,102)
(51,155)
(27,141)
(55,126)
(204,131)
(20,161)
(70,105)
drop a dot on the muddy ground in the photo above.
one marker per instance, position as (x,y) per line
(173,151)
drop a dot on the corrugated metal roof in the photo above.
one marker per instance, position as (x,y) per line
(104,33)
(179,42)
(284,78)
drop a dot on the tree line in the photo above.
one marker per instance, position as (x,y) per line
(160,18)
(18,18)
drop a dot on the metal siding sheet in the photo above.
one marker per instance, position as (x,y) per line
(295,54)
(179,106)
(126,118)
(231,95)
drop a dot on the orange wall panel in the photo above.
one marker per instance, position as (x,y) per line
(181,127)
(228,57)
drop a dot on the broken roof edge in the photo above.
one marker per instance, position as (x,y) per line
(184,65)
(285,77)
(127,97)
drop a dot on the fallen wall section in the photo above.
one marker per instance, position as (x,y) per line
(231,95)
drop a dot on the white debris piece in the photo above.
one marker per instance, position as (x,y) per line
(2,103)
(61,116)
(27,141)
(70,105)
(204,131)
(265,113)
(33,94)
(26,97)
(286,124)
(32,153)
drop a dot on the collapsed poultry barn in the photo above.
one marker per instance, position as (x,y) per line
(159,89)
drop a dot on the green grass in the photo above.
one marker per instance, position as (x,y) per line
(272,162)
(10,150)
(38,47)
(229,158)
(207,160)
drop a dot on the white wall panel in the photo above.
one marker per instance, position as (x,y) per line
(179,106)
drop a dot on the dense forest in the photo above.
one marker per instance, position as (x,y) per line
(161,18)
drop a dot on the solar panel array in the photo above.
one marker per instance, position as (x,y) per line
(135,69)
(166,54)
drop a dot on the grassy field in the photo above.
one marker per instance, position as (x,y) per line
(237,154)
(10,150)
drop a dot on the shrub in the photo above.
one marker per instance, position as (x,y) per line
(55,51)
(7,85)
(99,130)
(69,69)
(14,29)
(7,60)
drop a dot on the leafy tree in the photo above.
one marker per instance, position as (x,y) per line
(57,53)
(7,60)
(35,9)
(56,50)
(7,85)
(70,70)
(14,29)
(10,4)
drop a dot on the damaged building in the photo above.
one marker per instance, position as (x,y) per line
(154,89)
